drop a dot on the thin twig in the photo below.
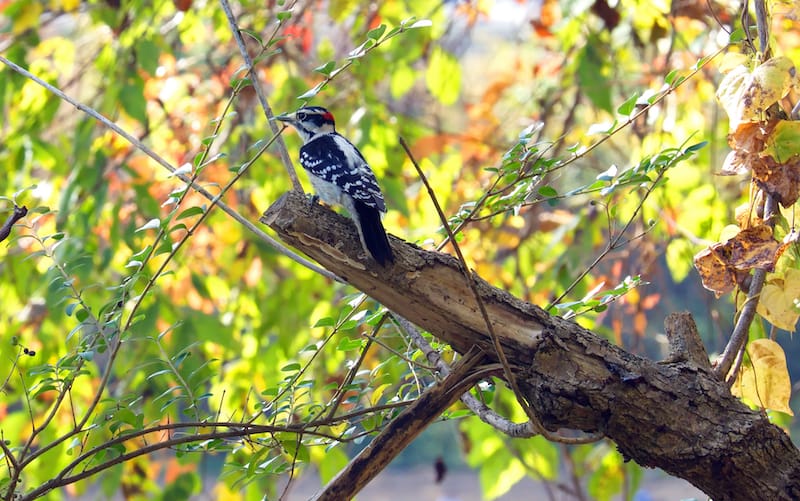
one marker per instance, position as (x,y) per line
(741,330)
(351,374)
(8,454)
(412,363)
(535,424)
(615,242)
(484,413)
(260,234)
(584,152)
(255,82)
(508,374)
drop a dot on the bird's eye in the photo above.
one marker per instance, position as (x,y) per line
(301,115)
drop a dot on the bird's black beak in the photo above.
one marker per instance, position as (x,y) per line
(288,118)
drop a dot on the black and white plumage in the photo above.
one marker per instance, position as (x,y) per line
(340,175)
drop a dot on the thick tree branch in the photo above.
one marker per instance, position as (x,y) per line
(675,415)
(401,432)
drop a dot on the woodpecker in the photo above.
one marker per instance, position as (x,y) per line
(341,176)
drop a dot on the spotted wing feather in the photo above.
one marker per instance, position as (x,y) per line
(333,159)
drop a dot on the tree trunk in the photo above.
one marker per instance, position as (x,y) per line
(674,414)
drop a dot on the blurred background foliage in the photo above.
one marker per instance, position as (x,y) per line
(232,328)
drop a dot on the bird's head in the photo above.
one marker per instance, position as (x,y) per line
(310,121)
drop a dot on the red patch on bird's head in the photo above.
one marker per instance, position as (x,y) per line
(328,116)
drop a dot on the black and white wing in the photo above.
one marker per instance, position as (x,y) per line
(336,161)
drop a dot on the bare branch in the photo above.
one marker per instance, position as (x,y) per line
(256,83)
(738,340)
(11,220)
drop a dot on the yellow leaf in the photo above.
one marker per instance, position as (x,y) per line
(731,61)
(765,382)
(443,76)
(729,94)
(769,82)
(28,17)
(745,95)
(777,302)
(65,5)
(402,80)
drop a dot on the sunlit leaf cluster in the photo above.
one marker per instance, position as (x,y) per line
(573,152)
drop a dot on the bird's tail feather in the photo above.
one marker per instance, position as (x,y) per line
(373,235)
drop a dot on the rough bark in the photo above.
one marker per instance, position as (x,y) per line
(673,414)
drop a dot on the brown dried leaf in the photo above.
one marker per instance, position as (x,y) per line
(730,91)
(753,248)
(747,143)
(724,265)
(735,164)
(745,215)
(779,180)
(714,271)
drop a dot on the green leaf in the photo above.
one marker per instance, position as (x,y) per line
(603,128)
(500,472)
(311,92)
(443,76)
(737,36)
(147,53)
(131,97)
(191,211)
(81,314)
(670,78)
(629,105)
(696,147)
(377,33)
(184,169)
(547,191)
(401,80)
(347,344)
(159,373)
(164,248)
(182,487)
(331,463)
(592,74)
(252,34)
(422,23)
(609,174)
(325,322)
(784,142)
(608,478)
(326,68)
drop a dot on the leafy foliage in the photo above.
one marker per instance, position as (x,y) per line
(143,313)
